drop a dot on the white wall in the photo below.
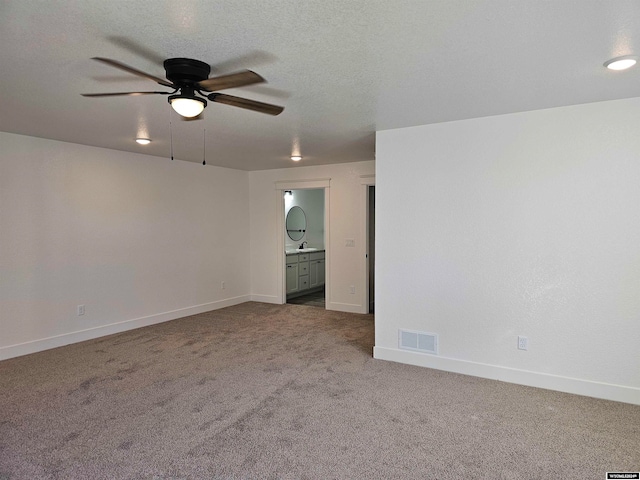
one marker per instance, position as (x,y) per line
(523,224)
(312,204)
(136,239)
(347,210)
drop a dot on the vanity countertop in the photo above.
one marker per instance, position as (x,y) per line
(303,250)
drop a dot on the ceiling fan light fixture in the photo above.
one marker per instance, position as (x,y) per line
(143,141)
(186,106)
(621,63)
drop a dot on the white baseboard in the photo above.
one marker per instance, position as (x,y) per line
(618,393)
(345,307)
(266,299)
(339,307)
(41,344)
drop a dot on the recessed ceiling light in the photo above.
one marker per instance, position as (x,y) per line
(296,158)
(621,63)
(143,141)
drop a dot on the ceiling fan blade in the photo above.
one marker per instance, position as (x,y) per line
(232,80)
(246,103)
(118,94)
(135,71)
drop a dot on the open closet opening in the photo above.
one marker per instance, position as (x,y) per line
(371,244)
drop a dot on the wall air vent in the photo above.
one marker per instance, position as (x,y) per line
(418,341)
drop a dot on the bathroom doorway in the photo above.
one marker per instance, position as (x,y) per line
(305,253)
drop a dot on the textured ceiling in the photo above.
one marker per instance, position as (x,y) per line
(342,69)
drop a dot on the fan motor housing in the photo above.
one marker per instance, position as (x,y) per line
(186,70)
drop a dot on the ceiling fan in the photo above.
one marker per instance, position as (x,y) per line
(189,79)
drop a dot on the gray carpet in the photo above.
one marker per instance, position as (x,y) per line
(288,391)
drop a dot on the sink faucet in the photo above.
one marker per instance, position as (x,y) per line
(302,244)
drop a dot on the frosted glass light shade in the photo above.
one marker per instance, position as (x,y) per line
(187,107)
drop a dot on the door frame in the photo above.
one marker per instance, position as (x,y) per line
(311,184)
(366,181)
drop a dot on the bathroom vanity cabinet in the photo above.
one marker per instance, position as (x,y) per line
(292,274)
(316,269)
(305,272)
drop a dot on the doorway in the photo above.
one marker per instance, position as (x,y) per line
(371,243)
(305,259)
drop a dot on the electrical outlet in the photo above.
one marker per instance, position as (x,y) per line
(80,310)
(222,285)
(352,289)
(523,343)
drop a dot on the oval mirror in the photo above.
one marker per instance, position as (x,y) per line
(296,223)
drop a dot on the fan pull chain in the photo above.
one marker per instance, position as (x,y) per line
(204,146)
(171,133)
